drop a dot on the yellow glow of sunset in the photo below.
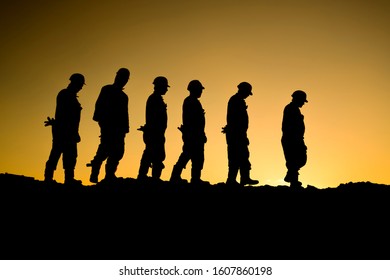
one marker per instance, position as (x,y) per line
(336,51)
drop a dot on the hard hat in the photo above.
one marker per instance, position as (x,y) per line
(245,86)
(160,80)
(194,84)
(77,78)
(300,94)
(123,72)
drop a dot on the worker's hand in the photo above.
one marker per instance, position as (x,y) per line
(49,122)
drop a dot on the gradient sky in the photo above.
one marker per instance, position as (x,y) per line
(336,51)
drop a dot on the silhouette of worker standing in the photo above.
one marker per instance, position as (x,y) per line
(293,143)
(193,135)
(236,137)
(111,112)
(65,130)
(154,131)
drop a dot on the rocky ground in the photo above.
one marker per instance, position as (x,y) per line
(132,220)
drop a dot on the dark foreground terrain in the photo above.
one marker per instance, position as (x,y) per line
(130,220)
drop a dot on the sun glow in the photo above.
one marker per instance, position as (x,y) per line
(277,48)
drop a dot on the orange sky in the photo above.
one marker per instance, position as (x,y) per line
(337,51)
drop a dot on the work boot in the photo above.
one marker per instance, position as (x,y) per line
(291,176)
(111,168)
(195,175)
(73,182)
(287,178)
(246,180)
(69,178)
(156,172)
(296,185)
(143,170)
(94,178)
(176,175)
(110,178)
(232,175)
(195,178)
(49,173)
(199,182)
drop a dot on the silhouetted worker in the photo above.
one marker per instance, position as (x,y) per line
(111,112)
(154,131)
(65,130)
(293,128)
(236,137)
(193,135)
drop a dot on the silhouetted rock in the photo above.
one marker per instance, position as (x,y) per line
(149,220)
